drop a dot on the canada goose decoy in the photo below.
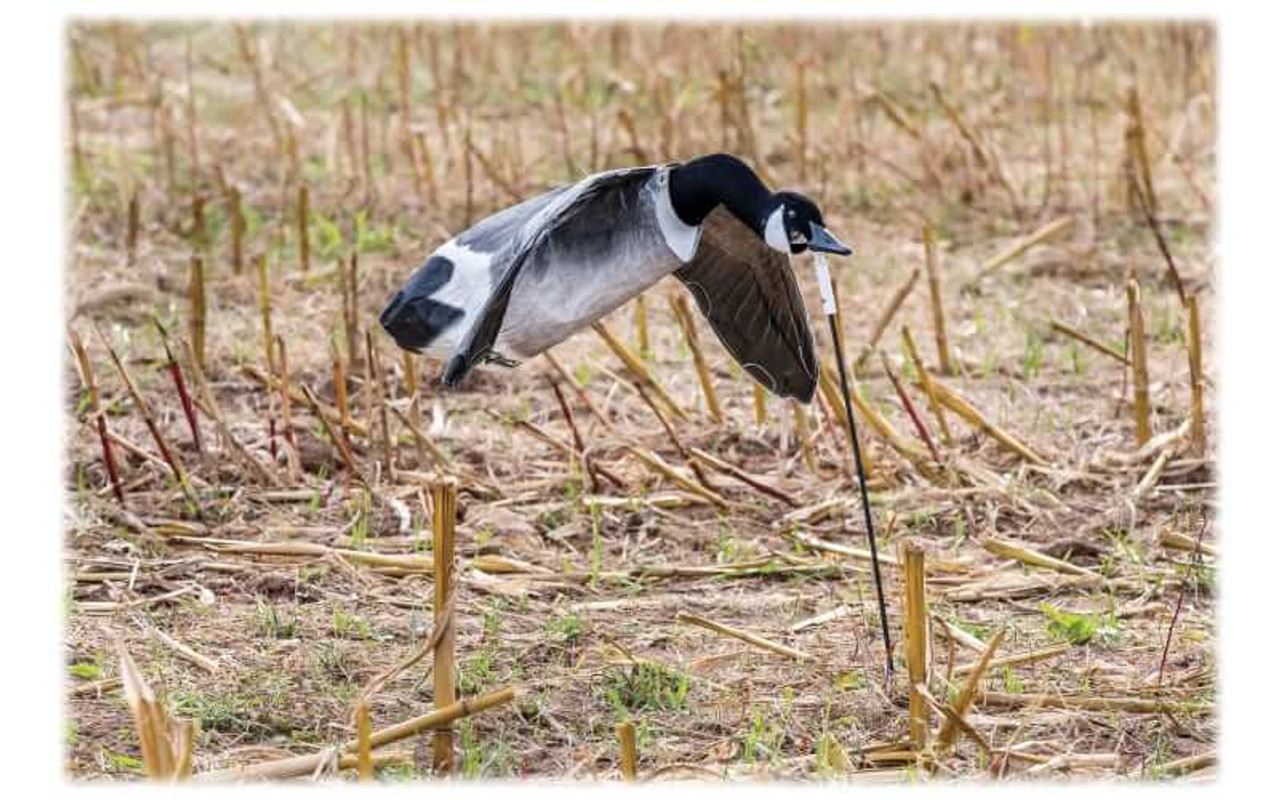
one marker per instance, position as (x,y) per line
(528,277)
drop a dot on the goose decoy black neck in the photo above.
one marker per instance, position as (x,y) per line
(786,221)
(699,185)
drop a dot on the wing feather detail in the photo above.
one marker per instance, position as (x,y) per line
(749,295)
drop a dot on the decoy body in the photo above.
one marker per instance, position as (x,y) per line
(528,277)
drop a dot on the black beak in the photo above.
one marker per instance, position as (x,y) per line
(821,239)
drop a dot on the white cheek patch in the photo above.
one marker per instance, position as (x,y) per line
(775,234)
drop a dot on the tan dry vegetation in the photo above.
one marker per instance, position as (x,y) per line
(293,564)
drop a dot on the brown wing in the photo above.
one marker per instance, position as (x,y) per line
(748,293)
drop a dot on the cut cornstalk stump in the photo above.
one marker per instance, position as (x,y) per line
(915,633)
(236,213)
(264,309)
(340,393)
(444,496)
(304,237)
(1138,347)
(286,413)
(348,279)
(415,409)
(800,418)
(1196,364)
(364,747)
(199,239)
(131,235)
(167,744)
(627,750)
(758,402)
(642,326)
(378,395)
(935,301)
(196,296)
(680,309)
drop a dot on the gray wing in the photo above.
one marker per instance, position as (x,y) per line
(503,230)
(748,293)
(584,198)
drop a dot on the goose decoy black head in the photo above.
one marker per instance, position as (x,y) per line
(528,277)
(796,225)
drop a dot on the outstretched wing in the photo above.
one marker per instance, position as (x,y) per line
(748,293)
(576,201)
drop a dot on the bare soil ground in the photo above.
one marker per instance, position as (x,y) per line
(569,588)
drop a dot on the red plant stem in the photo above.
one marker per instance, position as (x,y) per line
(577,437)
(188,408)
(150,421)
(911,411)
(271,436)
(568,416)
(108,458)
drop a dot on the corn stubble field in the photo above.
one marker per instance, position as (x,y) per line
(646,554)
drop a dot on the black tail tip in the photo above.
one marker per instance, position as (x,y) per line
(456,370)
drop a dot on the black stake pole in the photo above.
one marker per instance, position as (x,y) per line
(828,302)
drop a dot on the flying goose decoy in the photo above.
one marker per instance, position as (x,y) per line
(528,277)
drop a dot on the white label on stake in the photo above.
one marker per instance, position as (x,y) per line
(823,275)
